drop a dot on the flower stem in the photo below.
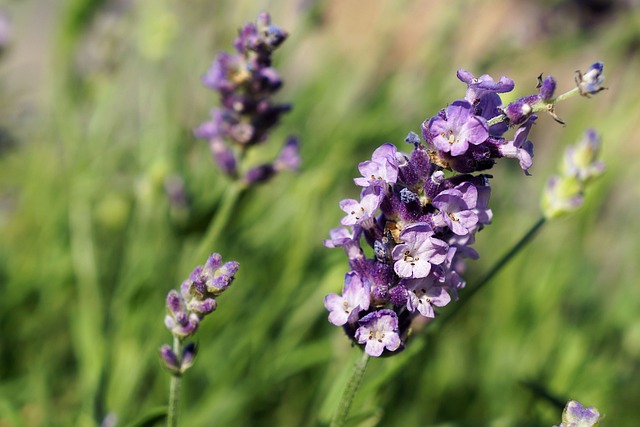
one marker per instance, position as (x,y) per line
(340,417)
(221,218)
(495,269)
(174,390)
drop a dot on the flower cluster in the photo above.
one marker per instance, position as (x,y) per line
(580,165)
(195,300)
(420,212)
(576,415)
(246,83)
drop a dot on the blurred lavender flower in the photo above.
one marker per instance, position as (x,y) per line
(421,222)
(246,83)
(187,307)
(564,193)
(576,415)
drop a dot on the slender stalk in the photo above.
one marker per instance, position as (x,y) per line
(495,269)
(340,417)
(174,390)
(221,218)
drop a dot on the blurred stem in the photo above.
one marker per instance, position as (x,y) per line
(495,269)
(220,218)
(174,390)
(349,392)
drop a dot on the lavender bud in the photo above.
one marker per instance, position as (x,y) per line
(590,82)
(169,359)
(189,353)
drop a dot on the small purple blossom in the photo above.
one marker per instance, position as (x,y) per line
(355,298)
(423,294)
(418,252)
(459,128)
(379,331)
(477,87)
(456,208)
(381,169)
(359,211)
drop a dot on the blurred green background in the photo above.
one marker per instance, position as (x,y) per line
(97,102)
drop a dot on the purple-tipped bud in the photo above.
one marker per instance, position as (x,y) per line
(223,156)
(433,186)
(202,307)
(591,81)
(398,295)
(548,88)
(413,139)
(289,157)
(174,302)
(189,353)
(169,359)
(260,174)
(521,109)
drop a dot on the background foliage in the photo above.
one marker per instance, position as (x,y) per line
(97,102)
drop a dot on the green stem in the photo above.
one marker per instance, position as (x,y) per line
(174,390)
(220,218)
(495,269)
(539,106)
(340,417)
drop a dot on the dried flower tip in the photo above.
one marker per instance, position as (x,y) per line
(591,81)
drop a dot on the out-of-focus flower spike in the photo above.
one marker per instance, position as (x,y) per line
(576,415)
(581,160)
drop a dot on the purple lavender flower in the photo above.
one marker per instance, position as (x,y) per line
(420,223)
(418,252)
(381,169)
(195,300)
(478,87)
(355,298)
(246,83)
(456,208)
(359,211)
(424,294)
(456,130)
(379,331)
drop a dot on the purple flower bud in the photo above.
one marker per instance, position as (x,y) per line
(260,174)
(174,302)
(521,109)
(189,353)
(548,88)
(223,156)
(413,139)
(202,307)
(398,295)
(591,81)
(169,359)
(289,157)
